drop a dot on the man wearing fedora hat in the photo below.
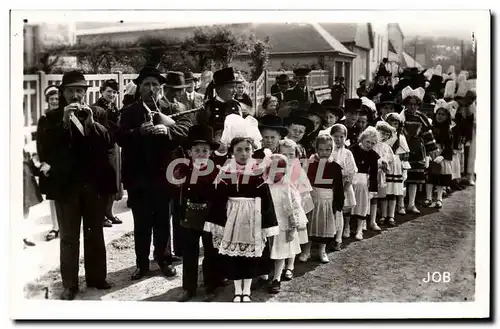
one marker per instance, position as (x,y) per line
(149,138)
(338,91)
(191,99)
(223,104)
(301,92)
(384,107)
(283,84)
(80,177)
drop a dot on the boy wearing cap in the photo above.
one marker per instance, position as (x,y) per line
(196,193)
(352,109)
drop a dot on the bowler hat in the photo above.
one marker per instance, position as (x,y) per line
(282,79)
(274,122)
(149,71)
(189,76)
(319,110)
(353,105)
(388,99)
(175,80)
(224,76)
(331,106)
(300,117)
(73,79)
(302,71)
(201,134)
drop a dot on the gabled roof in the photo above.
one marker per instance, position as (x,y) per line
(285,37)
(357,33)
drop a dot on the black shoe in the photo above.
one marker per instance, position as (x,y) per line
(168,270)
(107,223)
(209,296)
(187,296)
(69,294)
(274,287)
(116,220)
(139,274)
(100,286)
(29,243)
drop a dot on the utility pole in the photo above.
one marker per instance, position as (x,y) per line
(462,52)
(415,53)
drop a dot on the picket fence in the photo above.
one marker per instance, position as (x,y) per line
(34,103)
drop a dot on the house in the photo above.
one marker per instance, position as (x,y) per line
(358,38)
(380,50)
(396,48)
(293,44)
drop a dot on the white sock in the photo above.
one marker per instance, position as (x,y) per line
(392,208)
(290,263)
(412,193)
(428,191)
(247,283)
(340,226)
(238,287)
(373,213)
(440,190)
(279,264)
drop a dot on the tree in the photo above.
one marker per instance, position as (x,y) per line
(260,57)
(222,45)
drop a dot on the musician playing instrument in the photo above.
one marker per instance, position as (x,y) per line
(148,136)
(79,177)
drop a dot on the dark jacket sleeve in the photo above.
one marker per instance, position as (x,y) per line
(373,171)
(99,137)
(338,188)
(41,139)
(447,152)
(179,131)
(128,128)
(269,219)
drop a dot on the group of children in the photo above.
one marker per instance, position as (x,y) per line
(276,186)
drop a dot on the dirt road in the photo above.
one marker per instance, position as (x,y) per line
(386,267)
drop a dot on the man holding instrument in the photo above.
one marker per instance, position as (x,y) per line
(148,137)
(79,178)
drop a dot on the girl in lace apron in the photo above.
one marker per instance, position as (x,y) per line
(401,164)
(345,159)
(365,182)
(325,221)
(302,191)
(242,217)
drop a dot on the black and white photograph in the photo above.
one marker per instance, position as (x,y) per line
(316,164)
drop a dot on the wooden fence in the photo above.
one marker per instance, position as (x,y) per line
(34,103)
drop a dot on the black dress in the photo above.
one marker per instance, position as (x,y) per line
(240,259)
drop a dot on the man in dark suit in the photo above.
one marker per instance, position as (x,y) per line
(223,104)
(80,177)
(301,92)
(149,140)
(283,83)
(191,99)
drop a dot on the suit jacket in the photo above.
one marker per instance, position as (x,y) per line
(145,156)
(194,103)
(304,98)
(216,112)
(74,160)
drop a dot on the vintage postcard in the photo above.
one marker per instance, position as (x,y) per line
(315,164)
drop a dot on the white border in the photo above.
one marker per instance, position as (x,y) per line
(31,309)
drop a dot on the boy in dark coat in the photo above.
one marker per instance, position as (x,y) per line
(197,191)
